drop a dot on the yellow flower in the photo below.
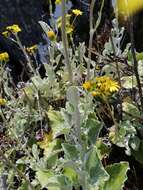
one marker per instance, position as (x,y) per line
(14,28)
(4,57)
(2,101)
(106,86)
(57,2)
(97,67)
(69,29)
(5,33)
(69,26)
(51,35)
(129,7)
(87,85)
(101,86)
(77,12)
(32,49)
(95,93)
(114,87)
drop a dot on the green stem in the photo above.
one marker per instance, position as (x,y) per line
(112,116)
(92,31)
(91,37)
(24,52)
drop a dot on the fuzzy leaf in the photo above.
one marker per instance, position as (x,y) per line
(70,151)
(118,176)
(102,148)
(43,177)
(130,108)
(96,172)
(139,153)
(129,81)
(24,186)
(45,26)
(70,173)
(57,123)
(56,182)
(94,127)
(35,151)
(72,96)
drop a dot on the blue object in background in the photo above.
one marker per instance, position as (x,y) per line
(58,11)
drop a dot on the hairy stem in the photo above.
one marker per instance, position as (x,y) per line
(65,42)
(91,37)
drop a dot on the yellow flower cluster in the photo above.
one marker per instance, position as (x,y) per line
(101,86)
(87,85)
(13,28)
(77,12)
(51,35)
(69,26)
(4,57)
(2,101)
(32,49)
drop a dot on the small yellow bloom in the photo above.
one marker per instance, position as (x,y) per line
(5,33)
(69,29)
(14,28)
(32,49)
(97,67)
(4,57)
(2,101)
(57,2)
(87,85)
(77,12)
(51,35)
(95,93)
